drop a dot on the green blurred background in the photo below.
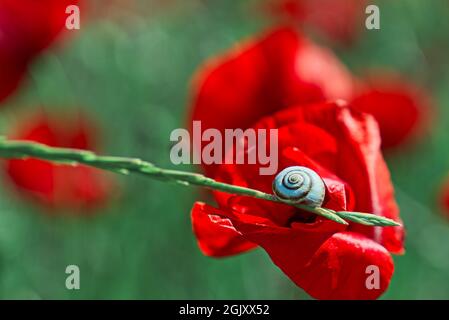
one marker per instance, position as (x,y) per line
(131,72)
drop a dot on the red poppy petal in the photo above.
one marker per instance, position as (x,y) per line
(81,186)
(339,20)
(10,77)
(444,197)
(35,128)
(311,140)
(400,109)
(345,262)
(326,265)
(265,75)
(41,184)
(215,234)
(361,153)
(33,25)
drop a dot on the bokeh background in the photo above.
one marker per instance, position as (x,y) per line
(129,67)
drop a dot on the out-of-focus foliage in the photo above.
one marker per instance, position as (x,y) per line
(131,72)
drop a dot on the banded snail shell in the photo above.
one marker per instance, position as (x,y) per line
(299,185)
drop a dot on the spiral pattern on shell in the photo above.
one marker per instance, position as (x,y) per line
(299,185)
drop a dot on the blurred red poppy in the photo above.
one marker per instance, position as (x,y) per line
(401,108)
(341,21)
(57,185)
(276,71)
(326,259)
(444,197)
(26,28)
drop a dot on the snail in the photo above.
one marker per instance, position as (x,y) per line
(299,185)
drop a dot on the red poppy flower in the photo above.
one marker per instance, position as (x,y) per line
(277,71)
(26,27)
(340,20)
(401,109)
(57,185)
(444,197)
(328,260)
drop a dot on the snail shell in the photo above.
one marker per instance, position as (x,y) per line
(299,185)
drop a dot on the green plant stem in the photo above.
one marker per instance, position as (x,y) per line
(23,150)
